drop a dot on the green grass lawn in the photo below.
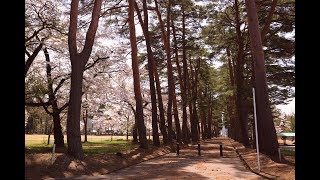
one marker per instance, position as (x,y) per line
(107,146)
(288,152)
(95,144)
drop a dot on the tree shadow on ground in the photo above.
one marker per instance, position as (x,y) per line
(97,164)
(172,166)
(92,164)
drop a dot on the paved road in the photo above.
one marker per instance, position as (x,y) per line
(188,165)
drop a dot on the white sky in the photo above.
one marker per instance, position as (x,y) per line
(289,108)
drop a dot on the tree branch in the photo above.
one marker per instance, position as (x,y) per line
(268,20)
(72,35)
(95,62)
(68,75)
(131,106)
(112,8)
(139,16)
(26,51)
(32,57)
(60,84)
(34,34)
(44,106)
(91,33)
(63,107)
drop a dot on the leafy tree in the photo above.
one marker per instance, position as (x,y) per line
(291,121)
(41,22)
(42,19)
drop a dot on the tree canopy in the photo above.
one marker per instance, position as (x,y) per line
(178,63)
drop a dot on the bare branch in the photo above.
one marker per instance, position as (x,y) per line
(26,51)
(63,107)
(34,34)
(31,58)
(95,62)
(60,84)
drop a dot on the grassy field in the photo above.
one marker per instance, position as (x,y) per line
(96,144)
(34,139)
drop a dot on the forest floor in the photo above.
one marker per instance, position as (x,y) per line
(38,165)
(285,169)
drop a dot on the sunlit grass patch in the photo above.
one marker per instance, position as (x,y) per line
(288,152)
(107,147)
(95,145)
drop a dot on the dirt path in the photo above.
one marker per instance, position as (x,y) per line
(188,165)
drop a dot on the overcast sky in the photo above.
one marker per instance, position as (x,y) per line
(289,108)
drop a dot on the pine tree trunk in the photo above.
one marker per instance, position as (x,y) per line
(73,121)
(185,129)
(198,95)
(144,26)
(176,118)
(231,117)
(136,79)
(236,123)
(209,134)
(195,128)
(161,109)
(170,77)
(215,128)
(266,131)
(240,93)
(231,103)
(203,118)
(78,62)
(151,64)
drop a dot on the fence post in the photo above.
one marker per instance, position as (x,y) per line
(221,153)
(199,153)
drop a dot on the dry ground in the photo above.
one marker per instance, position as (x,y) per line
(38,166)
(268,168)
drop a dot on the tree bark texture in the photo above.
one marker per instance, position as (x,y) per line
(151,64)
(185,128)
(136,79)
(78,62)
(170,76)
(57,129)
(195,128)
(242,135)
(161,109)
(266,131)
